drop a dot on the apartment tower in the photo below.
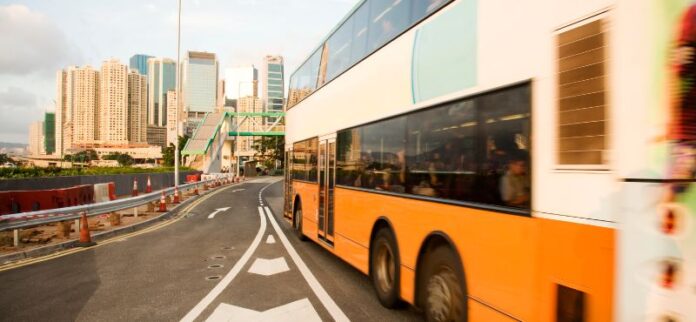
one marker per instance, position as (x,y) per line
(113,116)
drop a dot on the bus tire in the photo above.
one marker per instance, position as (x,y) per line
(297,223)
(384,270)
(443,287)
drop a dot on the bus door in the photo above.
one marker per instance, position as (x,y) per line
(327,182)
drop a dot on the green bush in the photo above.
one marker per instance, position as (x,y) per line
(19,173)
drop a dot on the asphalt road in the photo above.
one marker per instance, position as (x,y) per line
(241,264)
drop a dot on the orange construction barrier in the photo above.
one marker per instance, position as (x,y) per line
(85,238)
(148,188)
(163,203)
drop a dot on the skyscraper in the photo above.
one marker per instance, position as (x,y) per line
(113,116)
(61,111)
(171,117)
(49,132)
(81,124)
(273,82)
(199,82)
(36,138)
(161,78)
(241,81)
(137,108)
(139,62)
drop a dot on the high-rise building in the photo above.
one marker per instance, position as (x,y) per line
(273,84)
(49,133)
(161,78)
(139,62)
(171,117)
(249,104)
(220,106)
(199,82)
(241,81)
(36,138)
(137,108)
(157,135)
(81,124)
(113,116)
(61,111)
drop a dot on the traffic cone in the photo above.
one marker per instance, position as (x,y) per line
(176,195)
(148,188)
(163,204)
(135,187)
(85,238)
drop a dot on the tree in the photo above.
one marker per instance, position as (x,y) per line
(112,156)
(168,152)
(269,150)
(4,158)
(124,159)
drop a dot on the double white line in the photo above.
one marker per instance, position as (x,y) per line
(324,297)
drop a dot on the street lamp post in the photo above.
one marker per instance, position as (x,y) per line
(178,97)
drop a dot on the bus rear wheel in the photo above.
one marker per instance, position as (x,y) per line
(444,295)
(384,269)
(297,224)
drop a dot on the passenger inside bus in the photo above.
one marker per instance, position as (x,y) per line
(515,185)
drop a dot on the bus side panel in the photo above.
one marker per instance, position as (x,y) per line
(308,193)
(580,257)
(499,267)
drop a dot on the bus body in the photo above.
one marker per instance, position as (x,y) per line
(545,143)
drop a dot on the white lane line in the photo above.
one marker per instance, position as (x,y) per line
(198,309)
(331,306)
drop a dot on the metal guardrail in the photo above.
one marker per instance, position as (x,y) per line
(42,217)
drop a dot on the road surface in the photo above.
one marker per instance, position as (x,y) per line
(230,257)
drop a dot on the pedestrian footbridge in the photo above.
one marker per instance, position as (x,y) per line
(212,146)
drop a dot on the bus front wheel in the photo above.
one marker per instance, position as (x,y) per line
(297,224)
(385,268)
(444,292)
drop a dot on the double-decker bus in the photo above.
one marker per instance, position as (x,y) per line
(504,160)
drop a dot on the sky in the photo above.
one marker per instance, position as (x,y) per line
(39,37)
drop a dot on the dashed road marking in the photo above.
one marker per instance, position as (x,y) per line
(268,267)
(301,310)
(331,306)
(198,309)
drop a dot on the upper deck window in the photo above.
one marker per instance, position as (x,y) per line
(371,26)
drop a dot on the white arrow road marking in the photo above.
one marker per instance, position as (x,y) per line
(211,216)
(301,310)
(331,306)
(268,267)
(238,190)
(198,309)
(270,239)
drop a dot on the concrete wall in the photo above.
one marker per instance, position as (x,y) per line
(124,182)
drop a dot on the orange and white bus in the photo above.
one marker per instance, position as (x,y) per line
(504,160)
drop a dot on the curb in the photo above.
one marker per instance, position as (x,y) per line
(50,249)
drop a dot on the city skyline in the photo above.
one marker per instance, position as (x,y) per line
(82,37)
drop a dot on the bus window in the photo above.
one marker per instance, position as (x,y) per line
(423,8)
(338,47)
(505,127)
(358,49)
(388,18)
(441,151)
